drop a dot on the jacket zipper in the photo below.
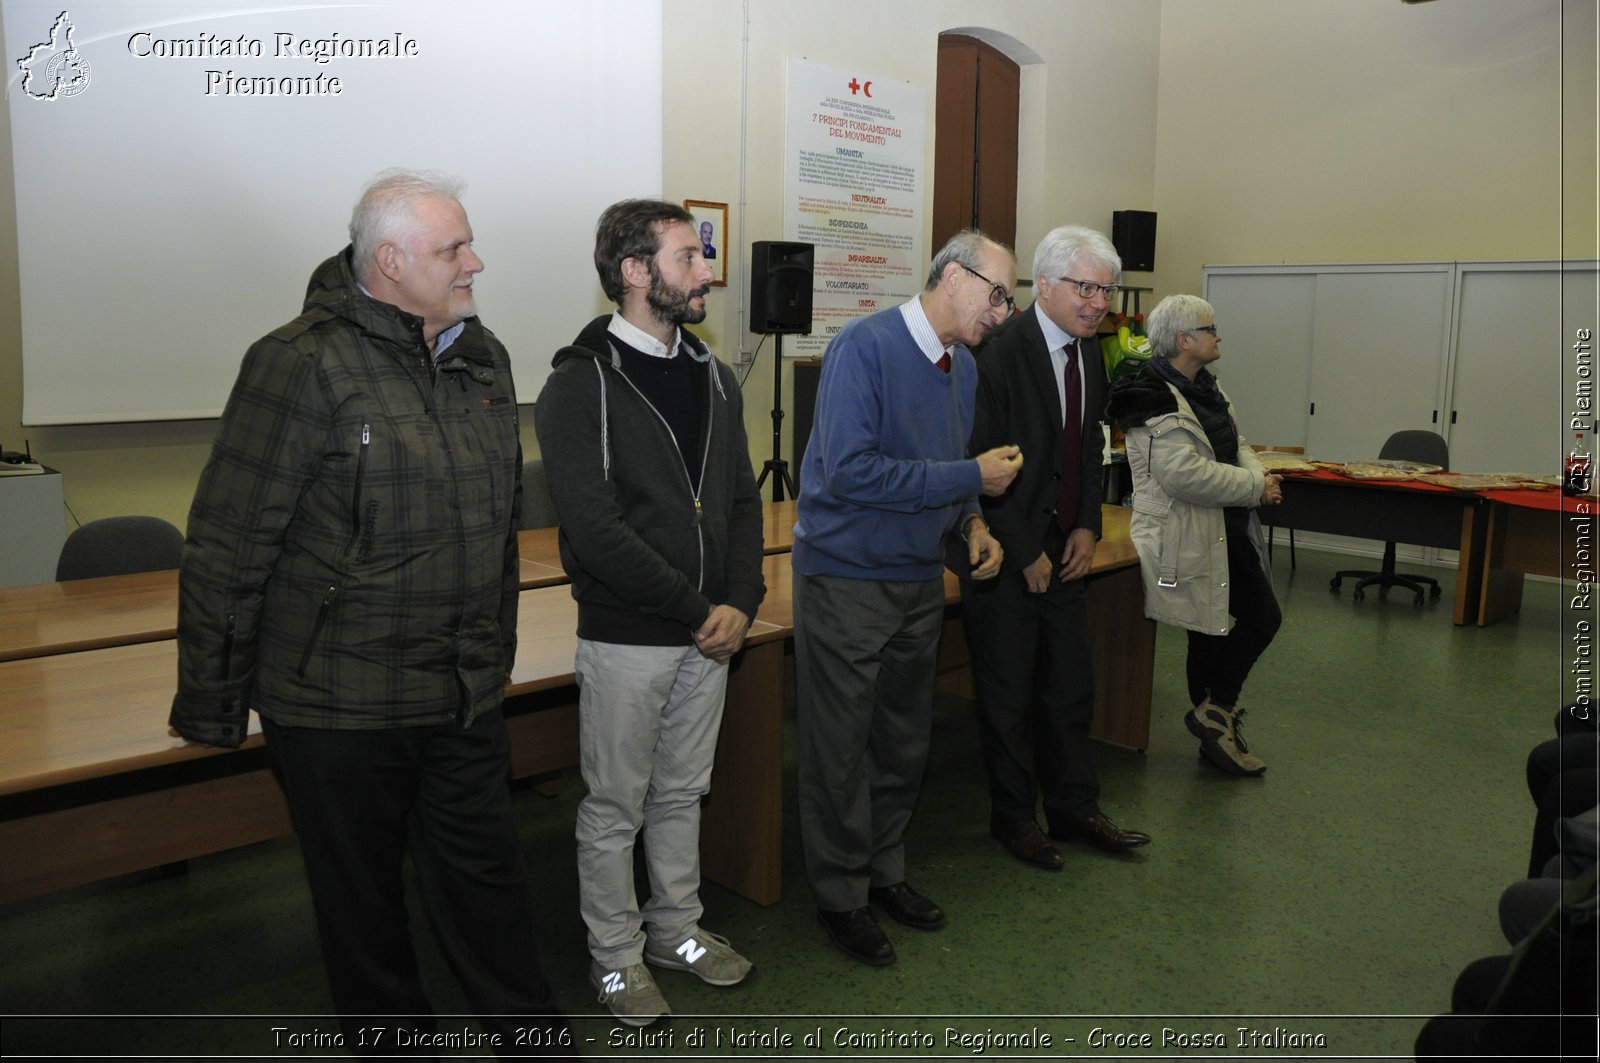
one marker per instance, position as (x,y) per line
(431,406)
(227,644)
(705,461)
(361,471)
(316,629)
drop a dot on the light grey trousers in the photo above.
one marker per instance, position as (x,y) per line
(648,718)
(864,658)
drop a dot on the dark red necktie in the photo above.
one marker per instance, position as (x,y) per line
(1071,442)
(944,362)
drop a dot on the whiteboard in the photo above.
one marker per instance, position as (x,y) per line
(194,164)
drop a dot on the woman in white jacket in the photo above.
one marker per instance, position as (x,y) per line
(1196,486)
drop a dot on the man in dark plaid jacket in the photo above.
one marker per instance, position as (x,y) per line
(351,574)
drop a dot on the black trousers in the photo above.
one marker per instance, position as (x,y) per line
(360,800)
(1543,1008)
(1218,665)
(1561,778)
(1033,667)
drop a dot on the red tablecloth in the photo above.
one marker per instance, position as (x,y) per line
(1330,476)
(1529,498)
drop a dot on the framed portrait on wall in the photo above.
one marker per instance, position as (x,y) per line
(711,221)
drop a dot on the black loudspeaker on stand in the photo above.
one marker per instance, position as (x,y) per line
(1133,233)
(780,302)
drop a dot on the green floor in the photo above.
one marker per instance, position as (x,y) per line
(1339,895)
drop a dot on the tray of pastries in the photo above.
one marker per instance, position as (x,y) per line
(1488,481)
(1388,469)
(1283,461)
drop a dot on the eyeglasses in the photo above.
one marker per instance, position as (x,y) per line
(1205,328)
(998,296)
(1087,289)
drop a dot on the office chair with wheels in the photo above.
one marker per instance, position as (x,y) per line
(537,509)
(116,546)
(1410,444)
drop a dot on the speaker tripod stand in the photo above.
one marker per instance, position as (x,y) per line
(775,466)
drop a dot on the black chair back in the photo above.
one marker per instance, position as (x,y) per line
(116,546)
(1417,444)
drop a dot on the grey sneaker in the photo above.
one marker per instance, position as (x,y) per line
(1227,750)
(1208,721)
(702,953)
(630,993)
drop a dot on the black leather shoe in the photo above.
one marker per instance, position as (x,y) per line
(1027,843)
(905,905)
(858,936)
(1098,831)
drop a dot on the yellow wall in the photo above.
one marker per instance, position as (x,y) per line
(1372,130)
(1259,130)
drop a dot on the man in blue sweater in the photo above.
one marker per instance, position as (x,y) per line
(885,479)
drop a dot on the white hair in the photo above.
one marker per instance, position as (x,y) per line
(1069,246)
(386,212)
(1172,315)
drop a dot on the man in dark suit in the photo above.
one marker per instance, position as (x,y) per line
(1041,386)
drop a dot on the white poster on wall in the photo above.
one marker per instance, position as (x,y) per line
(854,188)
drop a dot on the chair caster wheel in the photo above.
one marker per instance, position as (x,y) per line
(1359,596)
(1333,585)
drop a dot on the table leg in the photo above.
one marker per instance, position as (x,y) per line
(1470,561)
(1501,589)
(1124,658)
(741,824)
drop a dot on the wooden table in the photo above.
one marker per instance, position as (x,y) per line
(84,614)
(92,786)
(1540,541)
(1400,512)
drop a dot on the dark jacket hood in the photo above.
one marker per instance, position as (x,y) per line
(1137,400)
(334,290)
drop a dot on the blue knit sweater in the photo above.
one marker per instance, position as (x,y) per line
(885,475)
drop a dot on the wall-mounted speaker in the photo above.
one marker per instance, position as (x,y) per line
(1133,232)
(780,286)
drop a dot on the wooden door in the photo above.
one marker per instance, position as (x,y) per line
(975,141)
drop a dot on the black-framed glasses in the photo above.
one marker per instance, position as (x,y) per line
(998,296)
(1205,328)
(1087,289)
